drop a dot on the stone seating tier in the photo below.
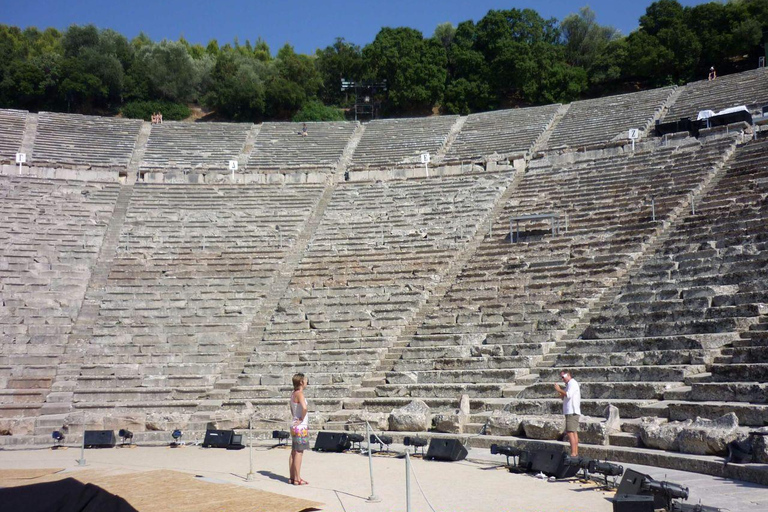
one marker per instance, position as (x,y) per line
(12,123)
(749,88)
(390,143)
(192,268)
(194,146)
(502,132)
(607,119)
(84,140)
(281,146)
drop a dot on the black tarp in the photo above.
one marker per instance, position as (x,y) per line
(68,495)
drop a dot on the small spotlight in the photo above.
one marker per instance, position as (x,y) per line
(176,435)
(126,435)
(507,451)
(356,439)
(381,440)
(282,437)
(58,437)
(416,442)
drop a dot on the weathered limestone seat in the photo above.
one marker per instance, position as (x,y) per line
(192,268)
(87,141)
(51,235)
(501,133)
(12,123)
(194,146)
(749,88)
(281,146)
(390,143)
(607,119)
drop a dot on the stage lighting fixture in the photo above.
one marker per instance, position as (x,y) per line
(382,441)
(685,507)
(356,439)
(58,437)
(282,437)
(125,435)
(416,442)
(176,435)
(605,468)
(664,492)
(507,451)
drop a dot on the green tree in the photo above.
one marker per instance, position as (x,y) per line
(414,68)
(585,40)
(169,71)
(341,60)
(238,89)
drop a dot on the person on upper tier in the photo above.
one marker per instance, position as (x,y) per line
(712,74)
(299,428)
(571,396)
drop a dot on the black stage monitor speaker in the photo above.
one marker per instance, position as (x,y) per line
(631,483)
(446,449)
(332,442)
(217,438)
(552,463)
(99,438)
(632,503)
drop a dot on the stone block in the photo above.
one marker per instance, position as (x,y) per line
(504,423)
(453,422)
(760,446)
(132,422)
(544,427)
(414,417)
(164,421)
(709,437)
(17,426)
(377,420)
(657,433)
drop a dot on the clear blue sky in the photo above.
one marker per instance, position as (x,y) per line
(306,24)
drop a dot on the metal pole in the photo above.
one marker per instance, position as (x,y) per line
(372,498)
(81,460)
(693,205)
(653,209)
(250,477)
(407,482)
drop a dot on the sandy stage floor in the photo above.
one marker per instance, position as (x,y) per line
(338,482)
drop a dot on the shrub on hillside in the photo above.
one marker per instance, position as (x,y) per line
(316,111)
(145,109)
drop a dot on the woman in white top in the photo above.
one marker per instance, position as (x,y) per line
(299,431)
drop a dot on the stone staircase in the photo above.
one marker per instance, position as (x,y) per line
(250,141)
(59,400)
(403,337)
(455,129)
(138,155)
(648,249)
(543,140)
(253,335)
(30,132)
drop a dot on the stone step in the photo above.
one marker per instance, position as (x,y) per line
(603,390)
(456,376)
(441,390)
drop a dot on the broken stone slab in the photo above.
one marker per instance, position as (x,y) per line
(660,434)
(133,422)
(17,426)
(453,422)
(413,417)
(160,421)
(709,437)
(543,427)
(504,423)
(593,431)
(377,420)
(760,446)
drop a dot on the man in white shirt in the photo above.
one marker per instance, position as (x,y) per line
(571,396)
